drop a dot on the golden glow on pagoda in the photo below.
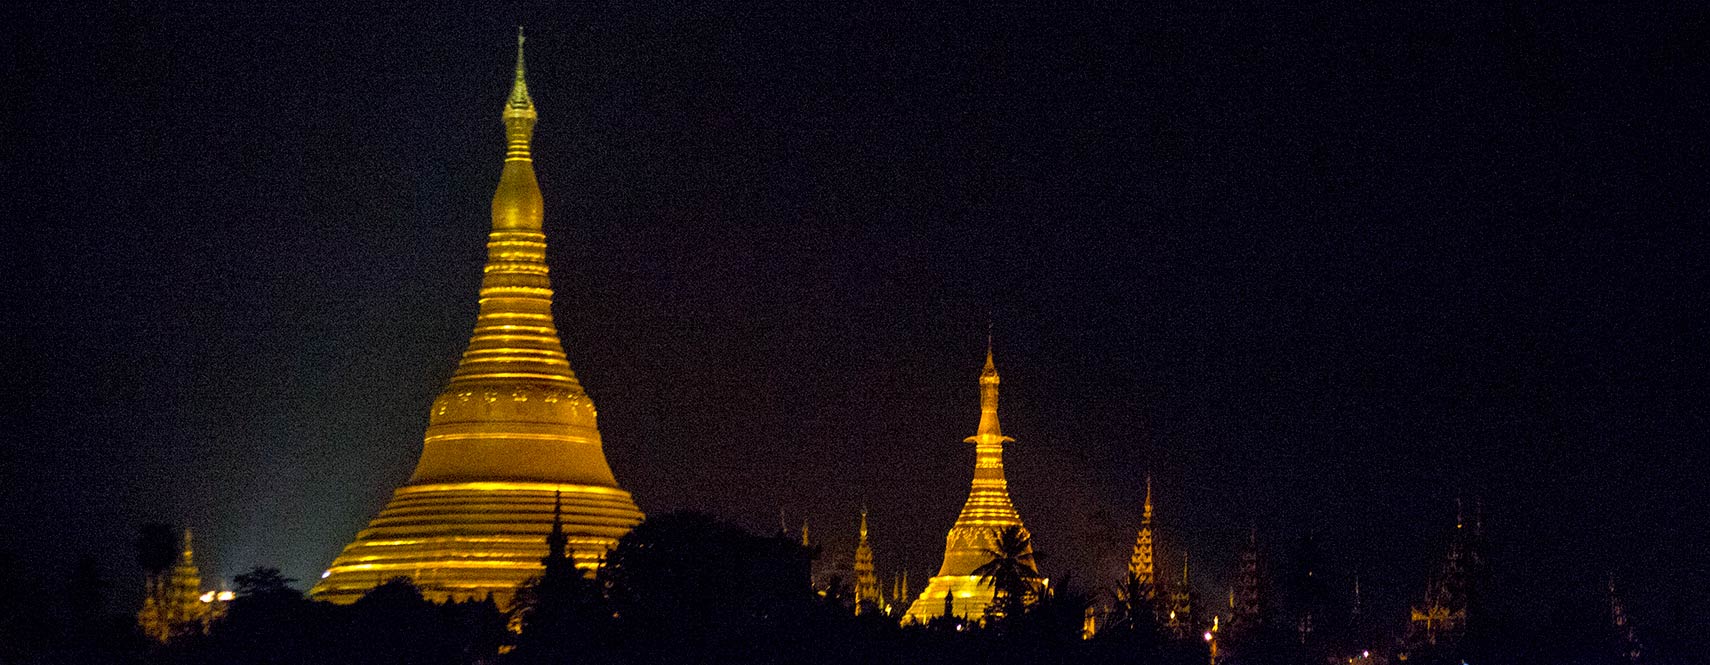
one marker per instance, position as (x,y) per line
(1140,563)
(987,512)
(866,579)
(513,430)
(172,605)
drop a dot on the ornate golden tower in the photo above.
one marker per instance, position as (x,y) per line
(512,431)
(1140,562)
(987,512)
(173,605)
(1181,621)
(866,579)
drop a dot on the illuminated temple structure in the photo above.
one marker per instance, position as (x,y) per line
(173,602)
(510,438)
(987,513)
(1140,563)
(866,578)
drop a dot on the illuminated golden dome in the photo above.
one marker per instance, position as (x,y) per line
(513,430)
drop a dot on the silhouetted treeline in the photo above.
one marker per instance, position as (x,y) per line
(687,588)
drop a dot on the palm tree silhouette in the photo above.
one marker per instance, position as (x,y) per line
(1011,572)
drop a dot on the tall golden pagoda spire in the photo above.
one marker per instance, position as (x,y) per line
(1181,621)
(176,607)
(1140,563)
(866,578)
(512,440)
(987,512)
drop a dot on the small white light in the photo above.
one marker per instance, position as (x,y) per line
(325,574)
(1208,636)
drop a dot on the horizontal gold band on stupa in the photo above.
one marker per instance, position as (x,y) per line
(497,486)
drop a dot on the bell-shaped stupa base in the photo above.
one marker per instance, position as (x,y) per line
(970,603)
(458,541)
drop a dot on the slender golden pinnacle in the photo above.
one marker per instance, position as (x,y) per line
(519,100)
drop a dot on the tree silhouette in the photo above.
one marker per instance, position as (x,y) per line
(1133,628)
(563,617)
(689,588)
(261,581)
(393,623)
(270,622)
(1052,624)
(1011,572)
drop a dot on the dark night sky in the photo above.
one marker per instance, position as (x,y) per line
(1314,268)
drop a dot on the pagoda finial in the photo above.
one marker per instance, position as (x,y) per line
(989,431)
(1146,517)
(990,367)
(988,338)
(863,523)
(519,101)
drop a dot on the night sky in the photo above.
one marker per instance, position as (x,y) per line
(1316,269)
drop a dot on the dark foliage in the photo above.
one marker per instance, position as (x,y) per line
(563,618)
(687,588)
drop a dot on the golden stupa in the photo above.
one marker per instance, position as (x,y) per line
(512,431)
(986,514)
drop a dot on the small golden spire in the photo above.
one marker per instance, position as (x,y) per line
(990,368)
(989,431)
(989,365)
(1146,517)
(519,104)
